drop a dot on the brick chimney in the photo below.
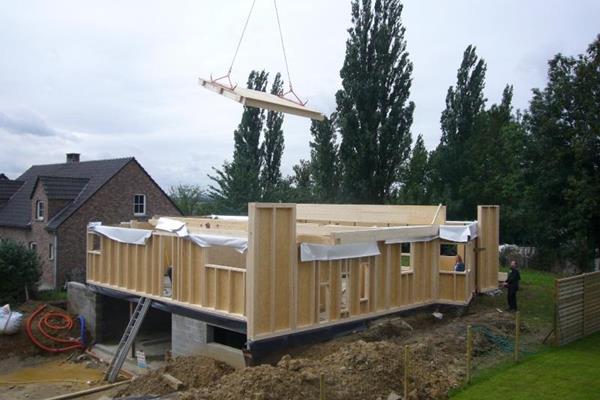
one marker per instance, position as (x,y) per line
(72,158)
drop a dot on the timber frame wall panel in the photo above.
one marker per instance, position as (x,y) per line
(271,268)
(277,294)
(488,218)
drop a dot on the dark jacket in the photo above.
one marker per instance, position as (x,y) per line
(512,281)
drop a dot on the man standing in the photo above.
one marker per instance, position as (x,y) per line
(512,283)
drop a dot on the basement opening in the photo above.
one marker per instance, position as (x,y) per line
(226,337)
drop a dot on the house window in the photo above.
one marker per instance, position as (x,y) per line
(51,251)
(39,210)
(139,204)
(33,246)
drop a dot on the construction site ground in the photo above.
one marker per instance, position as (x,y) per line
(362,365)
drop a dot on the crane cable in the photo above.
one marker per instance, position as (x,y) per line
(287,68)
(241,38)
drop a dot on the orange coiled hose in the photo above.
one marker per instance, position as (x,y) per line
(64,322)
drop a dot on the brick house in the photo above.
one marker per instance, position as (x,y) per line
(49,206)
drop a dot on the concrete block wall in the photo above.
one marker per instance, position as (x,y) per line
(188,336)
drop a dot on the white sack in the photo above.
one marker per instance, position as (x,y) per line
(323,252)
(10,321)
(123,235)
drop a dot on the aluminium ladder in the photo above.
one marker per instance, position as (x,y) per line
(128,337)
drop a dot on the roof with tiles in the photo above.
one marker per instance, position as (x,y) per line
(76,181)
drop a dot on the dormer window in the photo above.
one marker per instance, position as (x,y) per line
(139,204)
(39,210)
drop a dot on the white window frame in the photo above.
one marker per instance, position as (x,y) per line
(33,246)
(135,204)
(39,210)
(50,251)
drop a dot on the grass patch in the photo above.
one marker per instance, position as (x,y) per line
(51,295)
(535,297)
(569,372)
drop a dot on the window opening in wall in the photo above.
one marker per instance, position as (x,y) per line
(33,246)
(139,204)
(96,242)
(345,287)
(448,249)
(225,337)
(39,210)
(405,258)
(324,302)
(363,280)
(51,251)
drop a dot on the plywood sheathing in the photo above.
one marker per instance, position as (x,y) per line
(259,99)
(488,226)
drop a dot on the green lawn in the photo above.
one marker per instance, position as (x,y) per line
(535,298)
(569,372)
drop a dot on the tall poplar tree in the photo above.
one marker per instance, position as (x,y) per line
(272,149)
(238,182)
(464,104)
(323,160)
(373,107)
(415,188)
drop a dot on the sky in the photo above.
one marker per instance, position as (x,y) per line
(112,79)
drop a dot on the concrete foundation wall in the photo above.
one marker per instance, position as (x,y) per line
(84,302)
(188,336)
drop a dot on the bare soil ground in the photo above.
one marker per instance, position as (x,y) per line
(362,365)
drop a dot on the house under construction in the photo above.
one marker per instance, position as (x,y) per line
(289,273)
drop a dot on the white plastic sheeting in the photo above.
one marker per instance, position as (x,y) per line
(323,252)
(411,240)
(173,226)
(202,240)
(460,233)
(123,235)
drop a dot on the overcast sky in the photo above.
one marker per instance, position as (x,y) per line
(113,79)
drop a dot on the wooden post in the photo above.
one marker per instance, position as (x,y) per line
(517,331)
(406,371)
(322,386)
(469,351)
(555,322)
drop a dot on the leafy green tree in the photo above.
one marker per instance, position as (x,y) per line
(188,198)
(272,149)
(415,189)
(464,104)
(373,107)
(301,182)
(563,160)
(20,268)
(324,160)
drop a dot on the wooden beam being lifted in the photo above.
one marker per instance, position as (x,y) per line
(259,99)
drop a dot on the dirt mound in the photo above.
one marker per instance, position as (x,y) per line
(358,370)
(193,371)
(264,382)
